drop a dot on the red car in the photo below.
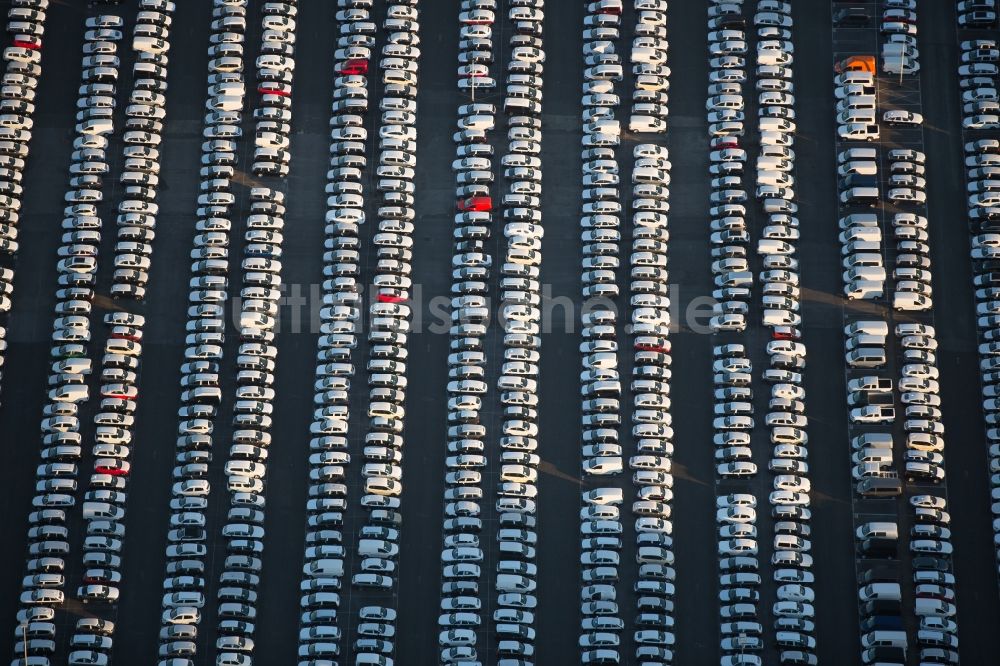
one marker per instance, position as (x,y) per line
(354,67)
(34,45)
(721,142)
(119,468)
(120,391)
(476,204)
(388,298)
(786,333)
(283,91)
(653,348)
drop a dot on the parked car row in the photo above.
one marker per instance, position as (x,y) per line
(113,427)
(324,564)
(978,79)
(61,441)
(725,107)
(977,13)
(22,68)
(870,400)
(879,595)
(275,71)
(860,233)
(600,236)
(933,580)
(648,55)
(377,546)
(898,33)
(184,580)
(600,520)
(475,56)
(786,419)
(922,408)
(883,638)
(869,392)
(979,58)
(144,118)
(520,315)
(246,465)
(860,238)
(462,551)
(600,381)
(652,432)
(857,120)
(123,350)
(742,635)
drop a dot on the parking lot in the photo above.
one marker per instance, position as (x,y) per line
(481,472)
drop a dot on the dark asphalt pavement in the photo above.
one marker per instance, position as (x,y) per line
(558,549)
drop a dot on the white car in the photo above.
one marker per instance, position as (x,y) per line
(899,117)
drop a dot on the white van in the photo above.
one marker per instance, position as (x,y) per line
(879,455)
(864,233)
(773,317)
(648,55)
(244,484)
(651,82)
(861,167)
(859,220)
(884,638)
(524,256)
(856,246)
(886,591)
(225,103)
(863,196)
(864,289)
(856,102)
(857,154)
(855,77)
(773,57)
(96,126)
(478,122)
(150,45)
(773,163)
(725,102)
(102,511)
(875,439)
(866,357)
(767,246)
(860,340)
(69,393)
(933,608)
(602,465)
(327,566)
(870,327)
(512,105)
(871,273)
(650,175)
(772,177)
(603,496)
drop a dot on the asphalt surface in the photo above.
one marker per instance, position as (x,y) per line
(418,595)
